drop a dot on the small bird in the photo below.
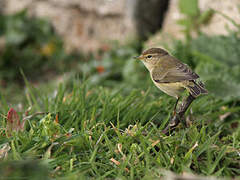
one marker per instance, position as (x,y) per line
(171,75)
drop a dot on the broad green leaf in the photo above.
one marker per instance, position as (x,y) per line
(189,7)
(184,22)
(15,37)
(206,16)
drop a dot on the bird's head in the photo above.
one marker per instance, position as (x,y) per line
(151,56)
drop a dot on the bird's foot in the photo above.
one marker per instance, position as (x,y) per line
(175,120)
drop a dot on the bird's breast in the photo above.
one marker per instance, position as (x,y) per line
(172,89)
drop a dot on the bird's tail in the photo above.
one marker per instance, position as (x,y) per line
(197,88)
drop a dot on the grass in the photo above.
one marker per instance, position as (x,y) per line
(90,131)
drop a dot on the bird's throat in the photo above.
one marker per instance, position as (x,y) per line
(148,66)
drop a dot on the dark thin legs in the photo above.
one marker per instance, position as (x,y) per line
(175,107)
(178,116)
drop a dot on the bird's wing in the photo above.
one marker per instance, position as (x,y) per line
(176,72)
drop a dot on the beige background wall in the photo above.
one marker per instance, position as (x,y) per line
(89,24)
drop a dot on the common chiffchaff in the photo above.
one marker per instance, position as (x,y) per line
(170,75)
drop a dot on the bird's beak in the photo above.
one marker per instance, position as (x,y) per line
(141,57)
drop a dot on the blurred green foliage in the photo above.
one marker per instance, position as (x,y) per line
(30,44)
(193,18)
(28,169)
(117,65)
(216,60)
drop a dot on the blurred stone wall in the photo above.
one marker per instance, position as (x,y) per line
(2,6)
(89,24)
(217,25)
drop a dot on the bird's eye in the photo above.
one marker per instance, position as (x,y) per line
(149,56)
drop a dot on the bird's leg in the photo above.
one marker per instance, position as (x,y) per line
(175,120)
(175,107)
(185,105)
